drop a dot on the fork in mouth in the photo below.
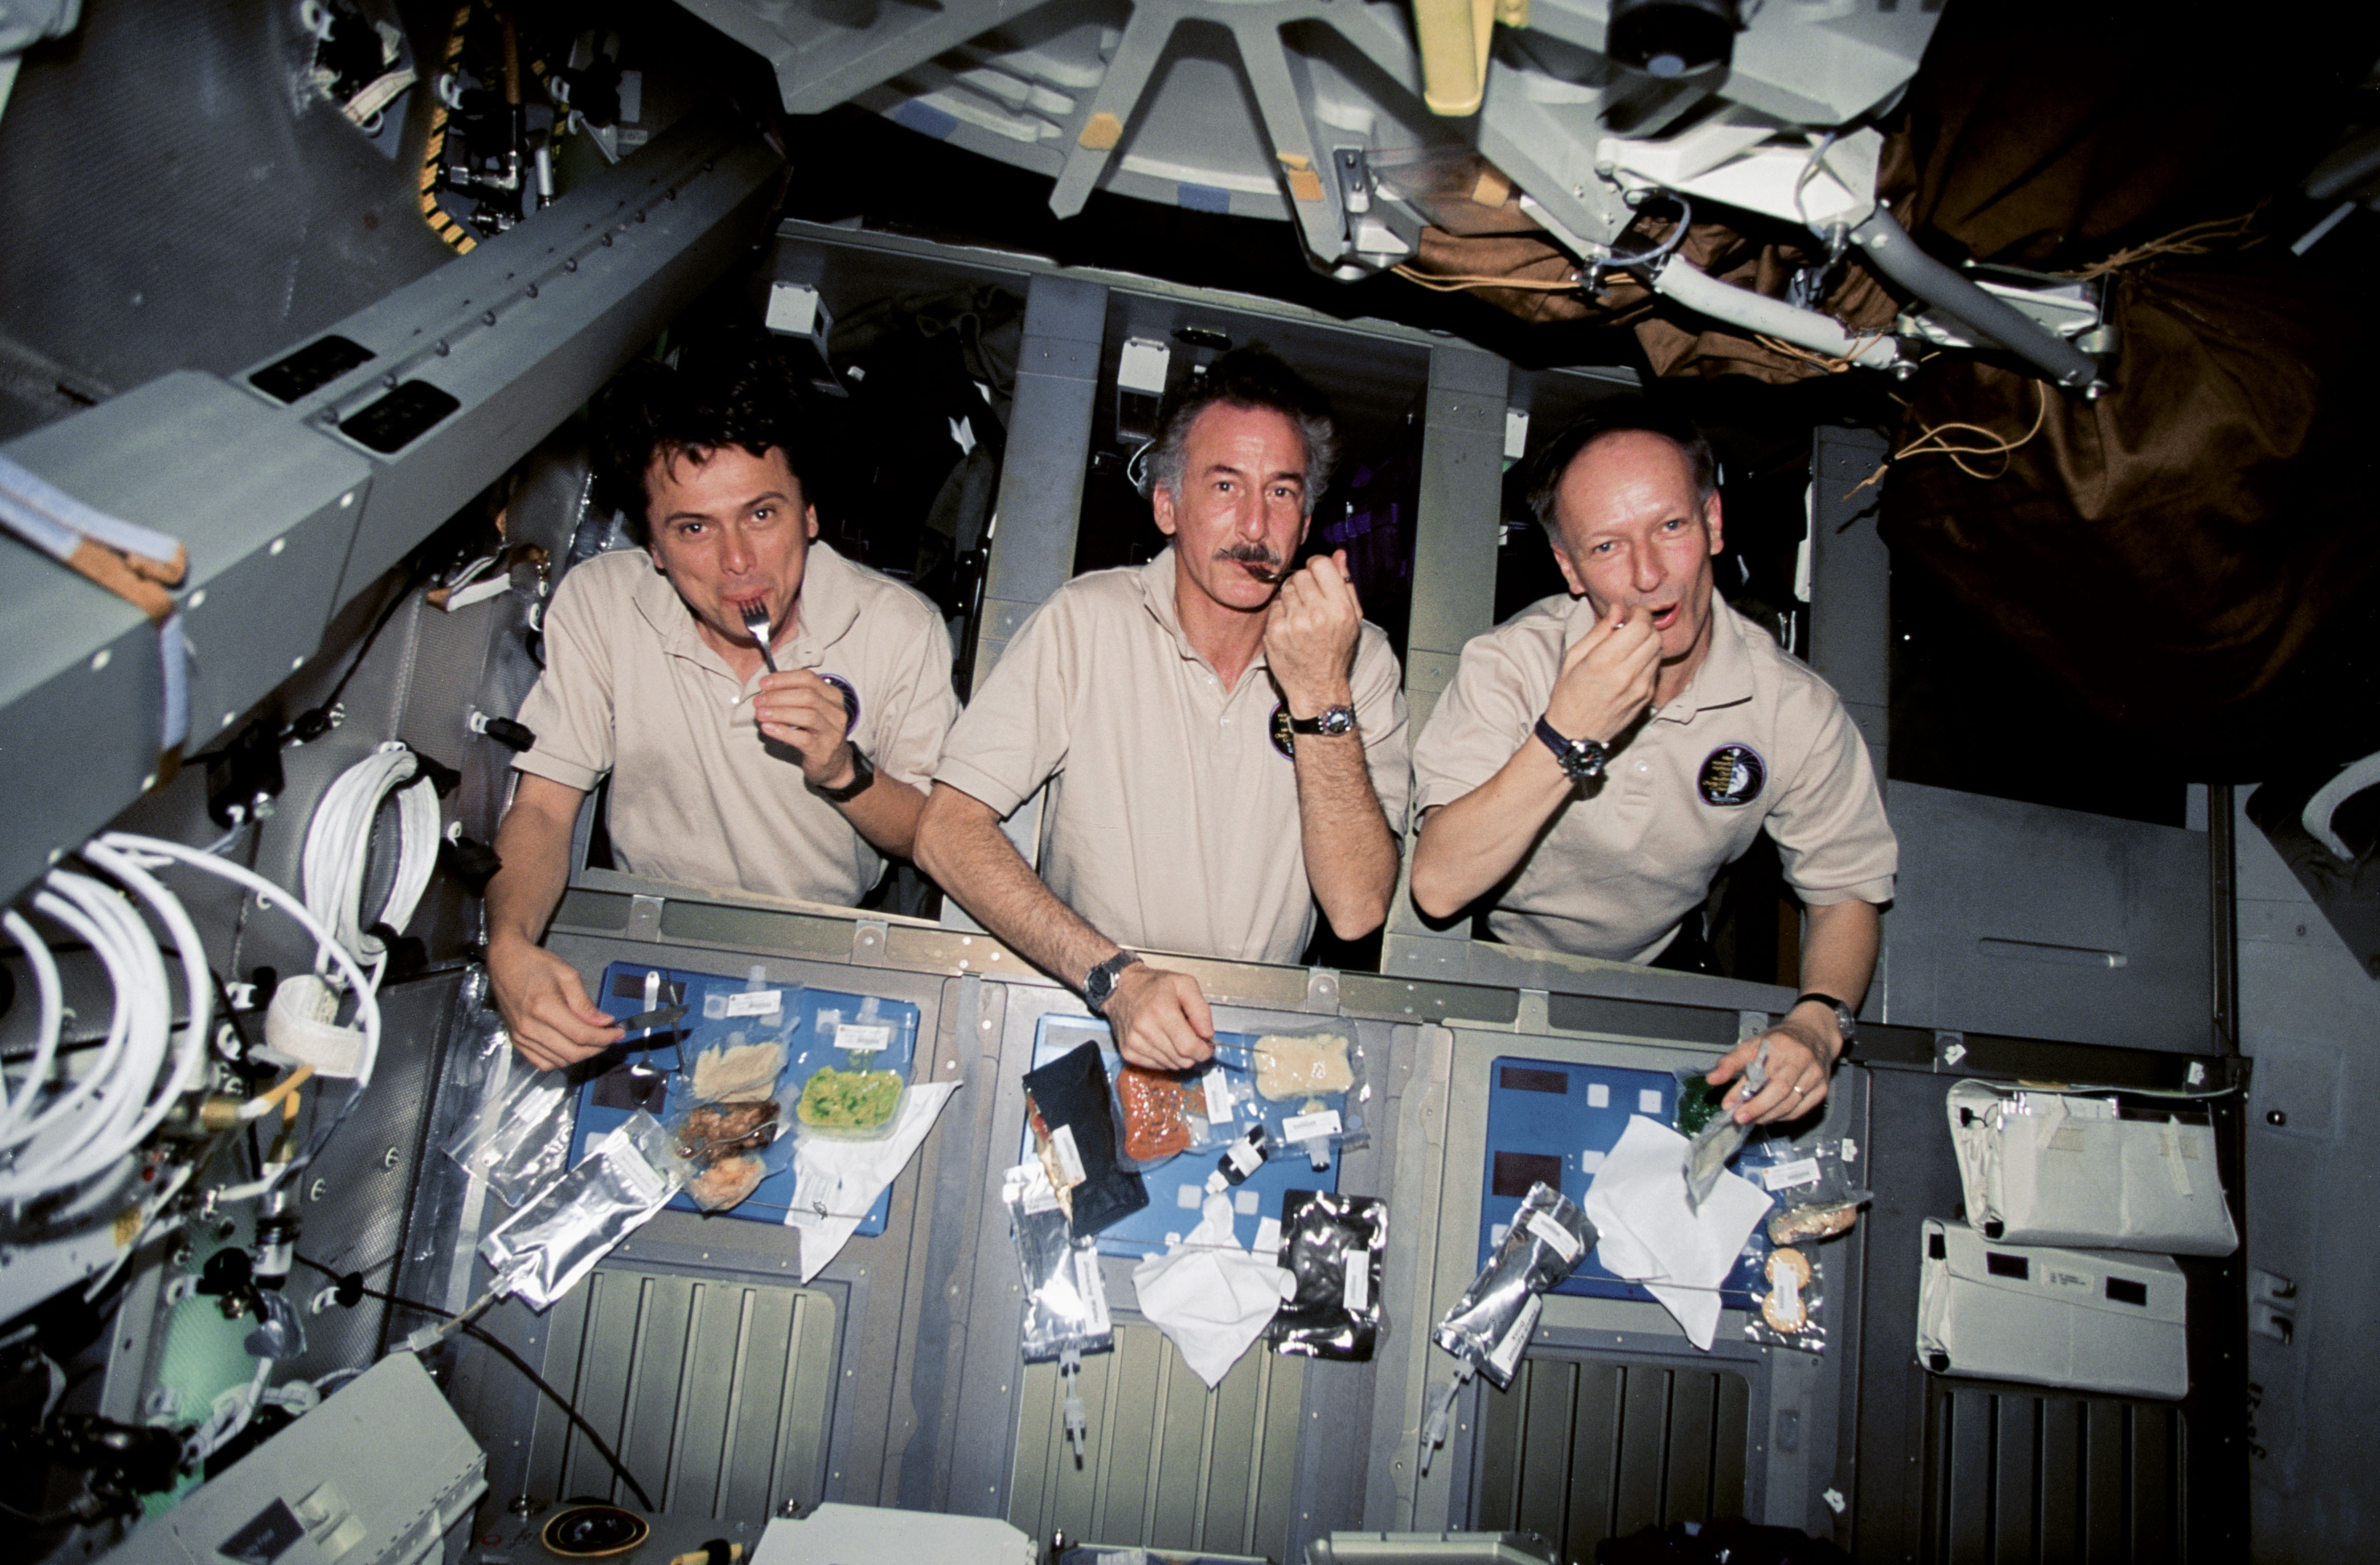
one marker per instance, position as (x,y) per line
(756,621)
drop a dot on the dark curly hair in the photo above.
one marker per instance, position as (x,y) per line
(1245,376)
(736,392)
(1623,416)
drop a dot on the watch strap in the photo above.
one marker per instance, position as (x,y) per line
(1582,759)
(1098,984)
(1846,1019)
(862,775)
(1340,719)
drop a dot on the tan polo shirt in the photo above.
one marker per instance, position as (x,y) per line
(1756,741)
(1171,823)
(698,796)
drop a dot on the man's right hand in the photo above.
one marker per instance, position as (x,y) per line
(545,1007)
(1608,677)
(1159,1019)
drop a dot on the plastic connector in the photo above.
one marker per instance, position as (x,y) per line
(504,731)
(1078,1421)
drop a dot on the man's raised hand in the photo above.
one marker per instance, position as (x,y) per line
(1309,637)
(805,714)
(1159,1019)
(1608,677)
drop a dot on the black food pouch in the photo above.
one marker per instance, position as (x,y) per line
(1335,1246)
(1074,1136)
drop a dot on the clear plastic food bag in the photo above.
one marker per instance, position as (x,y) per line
(1817,1194)
(1490,1325)
(724,1146)
(540,1252)
(517,1136)
(1335,1246)
(1065,1297)
(1788,1308)
(1157,1116)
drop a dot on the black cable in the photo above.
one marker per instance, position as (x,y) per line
(569,1409)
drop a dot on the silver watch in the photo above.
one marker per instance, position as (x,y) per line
(1846,1020)
(1099,983)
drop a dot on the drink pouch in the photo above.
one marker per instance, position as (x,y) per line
(1490,1325)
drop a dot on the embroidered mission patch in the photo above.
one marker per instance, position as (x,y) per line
(1732,774)
(1282,739)
(850,701)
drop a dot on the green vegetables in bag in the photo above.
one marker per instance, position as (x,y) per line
(849,1099)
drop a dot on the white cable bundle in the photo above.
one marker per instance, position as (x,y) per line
(94,1125)
(338,847)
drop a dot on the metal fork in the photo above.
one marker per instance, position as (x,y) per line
(756,621)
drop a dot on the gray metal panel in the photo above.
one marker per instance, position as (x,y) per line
(266,510)
(1171,1465)
(1048,452)
(1459,517)
(521,330)
(2028,1478)
(1577,1452)
(1443,1128)
(717,1393)
(1851,582)
(2021,919)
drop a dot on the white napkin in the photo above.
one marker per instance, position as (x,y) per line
(1209,1295)
(842,1179)
(1649,1234)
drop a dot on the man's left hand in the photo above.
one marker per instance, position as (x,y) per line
(1801,1055)
(805,714)
(1309,637)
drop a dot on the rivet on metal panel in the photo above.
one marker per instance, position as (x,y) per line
(532,291)
(149,781)
(570,263)
(441,348)
(645,917)
(867,937)
(317,1190)
(198,599)
(389,1159)
(1531,1016)
(488,317)
(99,659)
(346,500)
(297,663)
(1321,989)
(276,546)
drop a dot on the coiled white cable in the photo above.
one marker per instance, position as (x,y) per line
(338,848)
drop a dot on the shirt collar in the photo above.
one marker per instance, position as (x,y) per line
(1159,581)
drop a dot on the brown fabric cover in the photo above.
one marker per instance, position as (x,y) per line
(2170,549)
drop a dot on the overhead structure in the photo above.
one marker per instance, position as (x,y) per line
(1362,121)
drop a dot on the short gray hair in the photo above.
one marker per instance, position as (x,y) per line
(1245,376)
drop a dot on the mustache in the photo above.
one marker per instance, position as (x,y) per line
(1254,554)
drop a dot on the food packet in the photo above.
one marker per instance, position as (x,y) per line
(1065,1299)
(540,1252)
(1817,1194)
(1490,1325)
(1291,1066)
(1073,1131)
(1335,1247)
(862,1104)
(1790,1304)
(1155,1117)
(517,1137)
(723,1143)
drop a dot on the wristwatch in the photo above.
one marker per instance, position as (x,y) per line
(1846,1022)
(1582,759)
(1099,983)
(862,775)
(1329,720)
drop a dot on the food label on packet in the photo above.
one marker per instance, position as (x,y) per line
(755,1003)
(1564,1243)
(1358,1287)
(1791,1176)
(1302,1127)
(1218,1097)
(1070,1159)
(856,1037)
(1507,1356)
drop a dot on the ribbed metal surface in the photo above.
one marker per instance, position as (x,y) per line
(1169,1464)
(716,1394)
(1583,1452)
(2027,1478)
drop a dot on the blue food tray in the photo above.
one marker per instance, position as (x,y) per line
(1544,1113)
(808,1047)
(1148,1231)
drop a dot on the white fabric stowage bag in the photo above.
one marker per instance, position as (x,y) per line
(2089,1320)
(2068,1168)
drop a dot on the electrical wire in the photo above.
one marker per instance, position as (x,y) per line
(478,1333)
(339,851)
(1933,442)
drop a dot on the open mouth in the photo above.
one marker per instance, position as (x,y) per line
(1665,616)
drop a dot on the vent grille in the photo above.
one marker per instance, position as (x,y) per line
(1578,1452)
(1167,1465)
(716,1394)
(2021,1477)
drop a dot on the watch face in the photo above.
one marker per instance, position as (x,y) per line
(1336,720)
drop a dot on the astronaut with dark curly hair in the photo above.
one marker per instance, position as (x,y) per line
(798,783)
